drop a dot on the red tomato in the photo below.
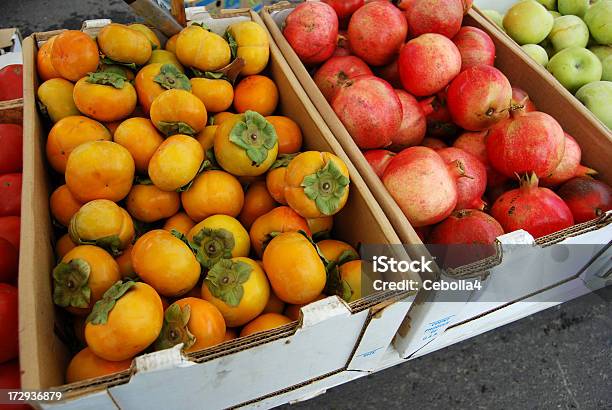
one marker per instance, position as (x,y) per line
(10,378)
(9,347)
(11,145)
(345,8)
(10,195)
(9,229)
(9,261)
(11,82)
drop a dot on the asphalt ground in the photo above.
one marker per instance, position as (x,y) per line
(559,358)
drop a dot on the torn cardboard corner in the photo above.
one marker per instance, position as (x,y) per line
(7,38)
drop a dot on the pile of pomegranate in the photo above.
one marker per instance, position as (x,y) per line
(466,156)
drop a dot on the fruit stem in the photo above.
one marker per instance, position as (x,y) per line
(583,171)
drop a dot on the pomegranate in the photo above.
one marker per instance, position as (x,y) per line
(345,8)
(404,4)
(423,231)
(337,71)
(342,45)
(414,125)
(526,142)
(466,226)
(379,160)
(569,167)
(435,16)
(422,184)
(377,31)
(370,110)
(433,143)
(390,73)
(475,46)
(475,144)
(521,100)
(428,63)
(536,210)
(586,197)
(479,98)
(471,189)
(312,31)
(439,121)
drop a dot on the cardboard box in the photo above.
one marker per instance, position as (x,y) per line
(11,111)
(331,338)
(427,321)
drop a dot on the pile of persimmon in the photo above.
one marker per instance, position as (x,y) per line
(190,214)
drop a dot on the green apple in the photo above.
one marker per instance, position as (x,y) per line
(601,51)
(597,97)
(575,67)
(606,73)
(547,45)
(495,16)
(569,31)
(549,4)
(575,7)
(528,22)
(555,14)
(599,20)
(537,53)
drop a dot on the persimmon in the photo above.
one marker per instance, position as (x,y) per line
(119,69)
(256,93)
(124,44)
(238,287)
(165,262)
(177,111)
(230,334)
(274,305)
(350,274)
(202,49)
(86,365)
(150,34)
(320,227)
(105,96)
(103,223)
(171,44)
(153,79)
(267,321)
(82,277)
(67,134)
(316,184)
(148,203)
(294,268)
(288,133)
(124,261)
(196,323)
(74,54)
(64,245)
(176,162)
(275,178)
(278,220)
(293,311)
(218,237)
(112,127)
(246,145)
(63,205)
(337,251)
(257,202)
(180,222)
(221,117)
(206,138)
(55,97)
(165,57)
(125,321)
(99,170)
(213,192)
(45,68)
(140,137)
(252,46)
(217,95)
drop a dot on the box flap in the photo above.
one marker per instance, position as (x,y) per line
(6,37)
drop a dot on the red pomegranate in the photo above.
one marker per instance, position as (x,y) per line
(475,144)
(370,110)
(379,160)
(479,98)
(466,226)
(439,121)
(428,63)
(433,143)
(536,210)
(471,189)
(435,16)
(337,71)
(414,124)
(390,73)
(404,4)
(569,167)
(342,45)
(377,31)
(526,142)
(345,8)
(521,100)
(422,184)
(586,198)
(475,46)
(312,31)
